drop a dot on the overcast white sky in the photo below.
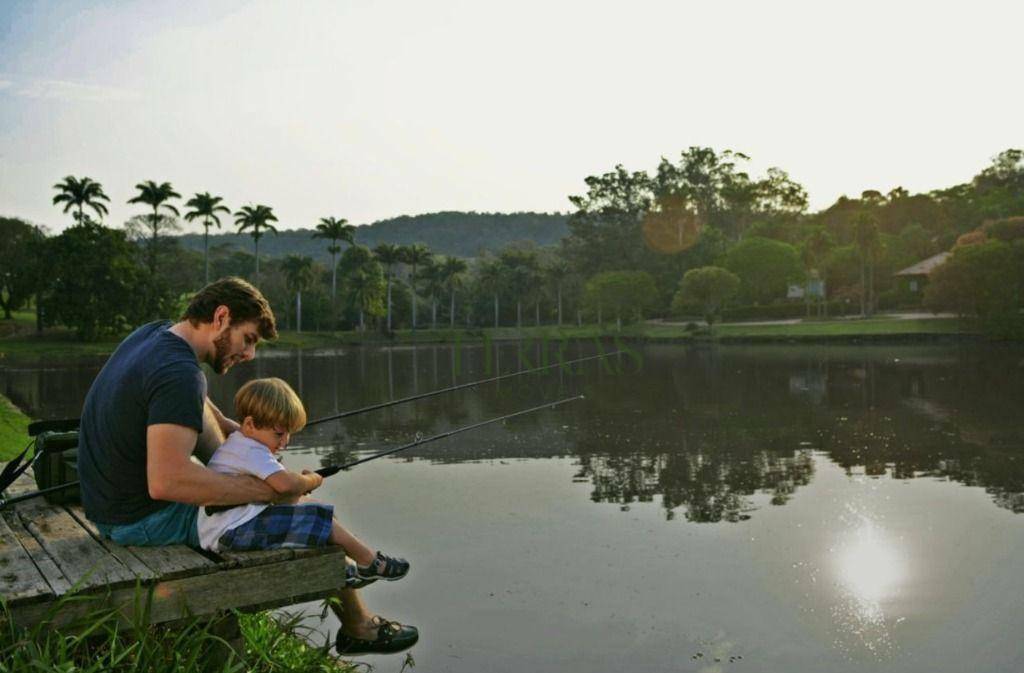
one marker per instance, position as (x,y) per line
(368,110)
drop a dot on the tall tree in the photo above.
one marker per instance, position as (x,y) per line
(335,229)
(206,206)
(155,196)
(20,263)
(415,255)
(98,293)
(868,246)
(388,254)
(256,219)
(432,275)
(556,273)
(452,270)
(363,282)
(300,274)
(79,193)
(490,276)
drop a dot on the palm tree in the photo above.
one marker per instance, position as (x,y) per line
(335,229)
(206,206)
(557,272)
(432,275)
(491,274)
(81,192)
(388,254)
(300,274)
(362,288)
(257,219)
(868,246)
(451,271)
(156,196)
(415,255)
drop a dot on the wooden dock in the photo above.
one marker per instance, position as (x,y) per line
(50,551)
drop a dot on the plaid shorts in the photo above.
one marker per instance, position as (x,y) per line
(281,527)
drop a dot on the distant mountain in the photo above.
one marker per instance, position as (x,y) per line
(448,233)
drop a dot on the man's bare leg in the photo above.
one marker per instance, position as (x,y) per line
(356,620)
(211,437)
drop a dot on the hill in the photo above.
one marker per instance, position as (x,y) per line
(448,233)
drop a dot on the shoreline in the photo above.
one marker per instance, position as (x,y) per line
(870,330)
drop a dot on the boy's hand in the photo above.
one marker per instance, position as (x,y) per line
(314,478)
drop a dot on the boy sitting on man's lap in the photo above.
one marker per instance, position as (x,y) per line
(269,411)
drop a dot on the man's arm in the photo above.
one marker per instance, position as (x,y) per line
(171,474)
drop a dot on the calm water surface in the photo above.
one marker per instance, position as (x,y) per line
(732,509)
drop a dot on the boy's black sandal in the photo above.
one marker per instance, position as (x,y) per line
(391,637)
(383,568)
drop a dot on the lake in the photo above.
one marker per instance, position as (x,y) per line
(768,508)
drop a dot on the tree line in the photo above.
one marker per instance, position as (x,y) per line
(699,236)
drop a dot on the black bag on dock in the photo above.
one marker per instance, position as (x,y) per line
(58,465)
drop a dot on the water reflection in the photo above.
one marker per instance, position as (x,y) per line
(712,435)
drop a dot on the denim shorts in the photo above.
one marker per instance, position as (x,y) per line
(174,524)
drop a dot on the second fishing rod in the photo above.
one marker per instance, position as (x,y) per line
(460,386)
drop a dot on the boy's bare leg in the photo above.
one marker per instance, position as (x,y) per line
(352,545)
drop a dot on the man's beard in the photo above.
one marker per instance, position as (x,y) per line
(221,347)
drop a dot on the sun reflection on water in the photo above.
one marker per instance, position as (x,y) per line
(870,566)
(871,569)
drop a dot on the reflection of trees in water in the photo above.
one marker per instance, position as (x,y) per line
(721,426)
(713,432)
(708,488)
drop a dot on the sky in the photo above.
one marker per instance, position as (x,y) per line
(370,110)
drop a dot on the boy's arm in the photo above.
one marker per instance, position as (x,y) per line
(171,474)
(227,425)
(292,484)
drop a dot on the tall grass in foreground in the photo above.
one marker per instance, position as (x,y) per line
(100,643)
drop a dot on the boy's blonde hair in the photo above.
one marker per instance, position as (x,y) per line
(272,403)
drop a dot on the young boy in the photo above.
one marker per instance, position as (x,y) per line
(269,411)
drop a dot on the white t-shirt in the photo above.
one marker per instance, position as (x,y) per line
(237,455)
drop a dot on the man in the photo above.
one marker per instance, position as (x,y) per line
(147,412)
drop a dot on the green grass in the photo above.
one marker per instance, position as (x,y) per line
(13,430)
(870,327)
(99,643)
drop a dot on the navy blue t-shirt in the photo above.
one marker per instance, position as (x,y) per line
(153,377)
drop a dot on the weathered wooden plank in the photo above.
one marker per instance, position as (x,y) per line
(59,585)
(150,562)
(174,561)
(245,559)
(81,559)
(124,554)
(20,580)
(254,587)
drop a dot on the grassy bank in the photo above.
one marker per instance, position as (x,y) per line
(26,344)
(13,430)
(100,644)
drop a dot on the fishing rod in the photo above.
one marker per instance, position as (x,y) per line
(331,470)
(411,398)
(72,424)
(334,469)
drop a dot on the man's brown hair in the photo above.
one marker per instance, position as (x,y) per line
(244,301)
